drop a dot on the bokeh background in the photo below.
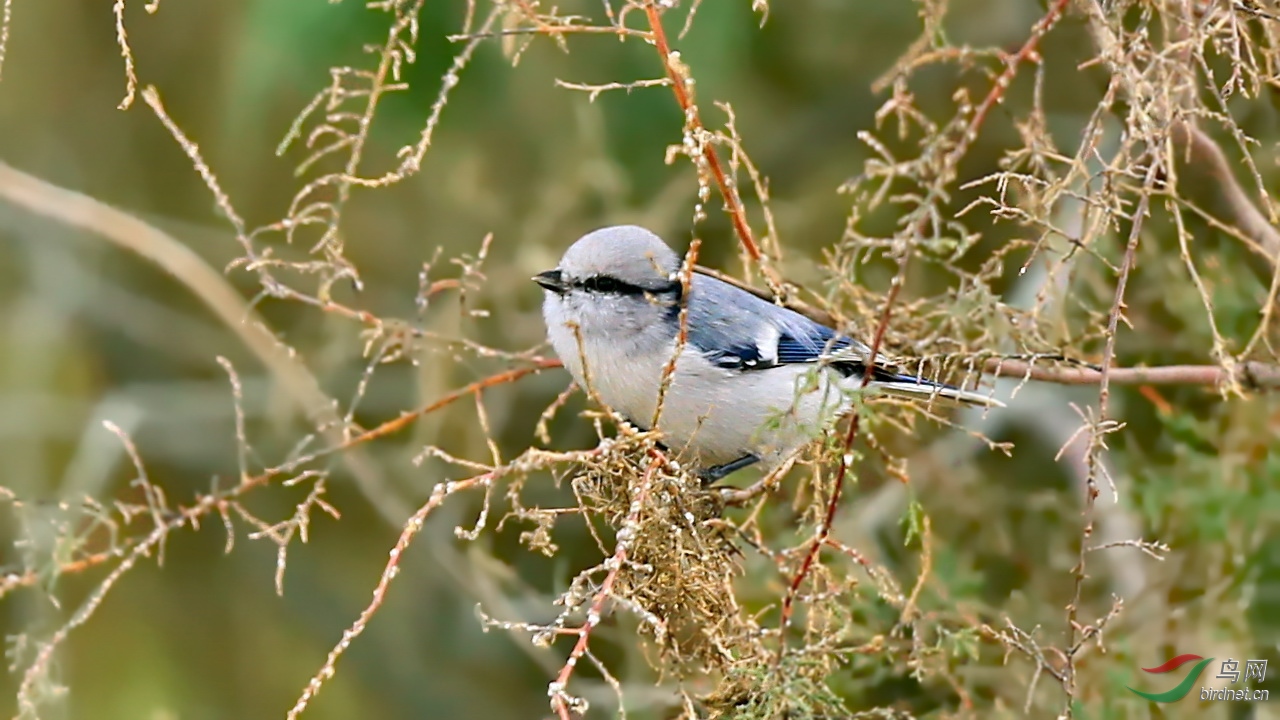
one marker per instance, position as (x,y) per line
(89,332)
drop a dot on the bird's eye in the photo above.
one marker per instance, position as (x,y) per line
(601,284)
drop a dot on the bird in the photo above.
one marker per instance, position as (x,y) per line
(753,381)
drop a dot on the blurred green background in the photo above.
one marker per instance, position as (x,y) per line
(90,333)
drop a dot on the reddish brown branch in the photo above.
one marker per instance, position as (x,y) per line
(950,162)
(693,124)
(1001,85)
(406,419)
(208,503)
(1096,442)
(560,700)
(824,530)
(13,581)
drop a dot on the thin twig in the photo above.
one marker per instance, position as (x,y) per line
(410,530)
(561,702)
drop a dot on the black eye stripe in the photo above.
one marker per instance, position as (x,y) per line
(606,284)
(613,286)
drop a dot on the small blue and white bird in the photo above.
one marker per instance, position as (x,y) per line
(754,381)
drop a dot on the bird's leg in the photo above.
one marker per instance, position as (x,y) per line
(720,472)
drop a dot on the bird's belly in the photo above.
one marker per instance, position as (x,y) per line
(711,415)
(715,416)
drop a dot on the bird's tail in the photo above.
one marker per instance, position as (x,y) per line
(921,389)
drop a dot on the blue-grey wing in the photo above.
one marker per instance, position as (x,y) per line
(820,343)
(737,330)
(809,344)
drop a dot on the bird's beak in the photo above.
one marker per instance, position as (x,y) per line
(552,281)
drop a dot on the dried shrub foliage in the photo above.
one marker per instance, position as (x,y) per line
(752,602)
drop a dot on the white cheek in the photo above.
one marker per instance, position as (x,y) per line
(563,332)
(623,349)
(604,318)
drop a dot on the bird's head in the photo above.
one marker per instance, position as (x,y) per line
(613,279)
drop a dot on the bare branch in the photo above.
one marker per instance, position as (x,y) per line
(1254,375)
